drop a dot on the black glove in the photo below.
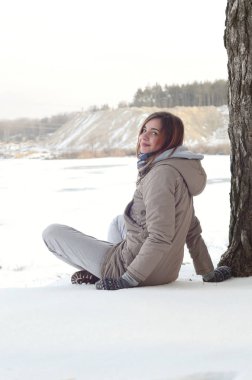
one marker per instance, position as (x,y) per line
(125,281)
(112,284)
(219,274)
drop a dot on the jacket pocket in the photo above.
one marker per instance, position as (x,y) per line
(133,246)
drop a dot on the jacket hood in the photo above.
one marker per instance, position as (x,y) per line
(188,165)
(180,152)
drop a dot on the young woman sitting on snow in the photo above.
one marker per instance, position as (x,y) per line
(146,244)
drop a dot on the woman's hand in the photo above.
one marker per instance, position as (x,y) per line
(112,284)
(126,281)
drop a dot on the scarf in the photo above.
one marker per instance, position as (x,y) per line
(143,159)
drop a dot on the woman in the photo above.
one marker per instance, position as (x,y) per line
(158,221)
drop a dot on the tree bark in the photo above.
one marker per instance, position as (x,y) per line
(238,43)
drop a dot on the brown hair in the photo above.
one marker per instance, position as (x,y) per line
(172,126)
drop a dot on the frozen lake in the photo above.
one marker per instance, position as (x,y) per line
(85,194)
(50,329)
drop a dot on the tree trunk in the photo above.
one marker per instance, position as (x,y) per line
(238,43)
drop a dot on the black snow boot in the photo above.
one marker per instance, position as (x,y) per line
(83,277)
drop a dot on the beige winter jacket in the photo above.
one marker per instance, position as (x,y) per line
(159,221)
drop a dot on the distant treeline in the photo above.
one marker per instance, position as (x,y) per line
(188,95)
(194,94)
(24,129)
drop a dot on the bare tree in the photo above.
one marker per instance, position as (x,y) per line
(238,43)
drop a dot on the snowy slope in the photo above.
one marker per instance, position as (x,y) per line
(114,131)
(118,129)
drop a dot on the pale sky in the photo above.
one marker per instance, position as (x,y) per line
(66,55)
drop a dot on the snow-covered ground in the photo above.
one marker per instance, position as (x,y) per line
(52,330)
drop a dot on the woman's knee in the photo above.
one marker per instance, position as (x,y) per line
(51,232)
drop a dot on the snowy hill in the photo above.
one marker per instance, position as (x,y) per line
(117,129)
(114,132)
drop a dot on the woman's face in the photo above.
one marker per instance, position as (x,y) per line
(152,137)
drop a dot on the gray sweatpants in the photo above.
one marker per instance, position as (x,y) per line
(117,230)
(75,248)
(80,250)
